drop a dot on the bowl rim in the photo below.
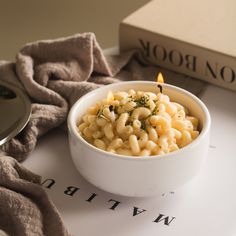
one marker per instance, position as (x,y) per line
(72,127)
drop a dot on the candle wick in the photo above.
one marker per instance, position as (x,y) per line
(160,87)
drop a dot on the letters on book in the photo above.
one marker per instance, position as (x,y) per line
(174,57)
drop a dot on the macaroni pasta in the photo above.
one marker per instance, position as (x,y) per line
(138,124)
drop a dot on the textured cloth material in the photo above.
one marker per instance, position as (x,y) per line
(55,73)
(25,208)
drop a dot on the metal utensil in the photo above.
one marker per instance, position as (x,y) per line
(15,110)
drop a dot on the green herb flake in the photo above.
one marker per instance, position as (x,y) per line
(155,111)
(129,122)
(143,125)
(142,101)
(130,112)
(100,112)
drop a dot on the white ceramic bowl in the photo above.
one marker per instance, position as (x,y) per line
(139,176)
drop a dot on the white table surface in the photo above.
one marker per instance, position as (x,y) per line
(206,206)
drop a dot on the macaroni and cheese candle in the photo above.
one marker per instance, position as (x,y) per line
(138,123)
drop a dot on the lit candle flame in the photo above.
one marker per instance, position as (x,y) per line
(160,80)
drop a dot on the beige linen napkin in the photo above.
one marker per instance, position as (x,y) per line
(25,208)
(55,73)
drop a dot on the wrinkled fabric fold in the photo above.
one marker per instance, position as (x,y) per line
(55,73)
(25,208)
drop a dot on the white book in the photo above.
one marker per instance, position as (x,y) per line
(206,206)
(196,38)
